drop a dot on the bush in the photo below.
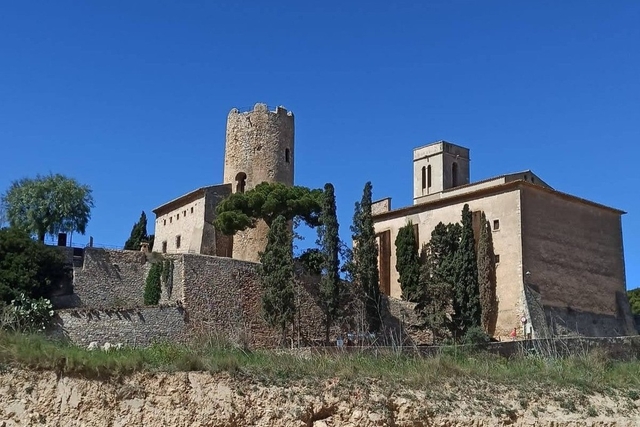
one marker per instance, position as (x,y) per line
(26,314)
(476,336)
(152,289)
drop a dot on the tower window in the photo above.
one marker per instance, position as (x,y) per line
(497,258)
(424,177)
(178,239)
(164,247)
(454,174)
(429,176)
(496,224)
(286,155)
(241,182)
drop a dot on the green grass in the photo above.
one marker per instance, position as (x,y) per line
(588,373)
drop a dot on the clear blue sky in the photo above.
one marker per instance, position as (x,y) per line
(131,97)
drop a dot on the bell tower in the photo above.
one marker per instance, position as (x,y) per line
(437,167)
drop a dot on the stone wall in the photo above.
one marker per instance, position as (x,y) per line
(110,278)
(133,327)
(573,257)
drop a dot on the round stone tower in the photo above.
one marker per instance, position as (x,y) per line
(259,148)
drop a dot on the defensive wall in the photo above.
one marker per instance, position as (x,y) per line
(201,296)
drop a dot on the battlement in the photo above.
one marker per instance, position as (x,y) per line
(261,108)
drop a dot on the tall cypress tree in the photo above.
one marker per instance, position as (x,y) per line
(487,276)
(466,298)
(365,259)
(276,276)
(329,242)
(138,234)
(407,262)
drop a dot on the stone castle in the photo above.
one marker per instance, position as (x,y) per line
(559,262)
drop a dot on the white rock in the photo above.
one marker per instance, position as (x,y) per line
(93,345)
(107,346)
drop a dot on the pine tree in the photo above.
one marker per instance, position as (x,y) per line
(365,259)
(407,262)
(487,276)
(276,277)
(329,242)
(466,299)
(138,234)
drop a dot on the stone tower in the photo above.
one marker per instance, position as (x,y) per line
(259,148)
(438,167)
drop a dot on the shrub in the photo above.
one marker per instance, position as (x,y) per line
(475,336)
(152,290)
(26,314)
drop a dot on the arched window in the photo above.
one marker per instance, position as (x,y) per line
(429,176)
(424,177)
(241,182)
(454,174)
(286,155)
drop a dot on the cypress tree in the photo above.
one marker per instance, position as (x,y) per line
(466,298)
(152,290)
(329,241)
(487,276)
(276,277)
(407,262)
(365,259)
(437,275)
(138,234)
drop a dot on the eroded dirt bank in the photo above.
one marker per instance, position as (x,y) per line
(202,399)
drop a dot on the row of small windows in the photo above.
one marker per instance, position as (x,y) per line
(426,176)
(184,214)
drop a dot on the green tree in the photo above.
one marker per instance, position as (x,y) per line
(407,262)
(267,201)
(331,297)
(466,295)
(276,276)
(152,287)
(365,259)
(487,276)
(27,266)
(48,205)
(138,234)
(437,275)
(634,300)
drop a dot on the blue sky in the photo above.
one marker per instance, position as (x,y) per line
(132,97)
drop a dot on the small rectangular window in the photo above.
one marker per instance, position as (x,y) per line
(497,258)
(496,224)
(177,217)
(164,247)
(191,209)
(164,222)
(170,219)
(177,242)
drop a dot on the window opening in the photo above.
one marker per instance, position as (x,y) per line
(496,224)
(286,155)
(454,174)
(178,242)
(241,182)
(424,177)
(429,176)
(164,247)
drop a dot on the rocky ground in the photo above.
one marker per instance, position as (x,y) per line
(30,398)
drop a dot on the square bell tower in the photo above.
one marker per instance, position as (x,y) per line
(437,167)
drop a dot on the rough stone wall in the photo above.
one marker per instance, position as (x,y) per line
(213,241)
(110,278)
(137,327)
(573,253)
(259,144)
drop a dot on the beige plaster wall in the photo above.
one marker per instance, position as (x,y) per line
(573,252)
(186,221)
(504,207)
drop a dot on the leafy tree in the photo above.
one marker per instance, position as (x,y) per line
(365,259)
(138,234)
(27,266)
(329,242)
(267,201)
(276,276)
(407,262)
(437,275)
(311,260)
(48,205)
(634,300)
(487,276)
(152,287)
(466,298)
